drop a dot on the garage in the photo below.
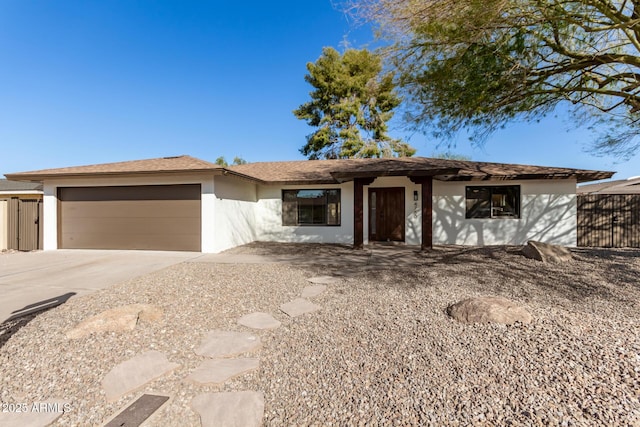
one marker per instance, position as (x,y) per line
(147,217)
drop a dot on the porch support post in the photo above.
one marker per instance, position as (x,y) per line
(427,213)
(426,183)
(358,211)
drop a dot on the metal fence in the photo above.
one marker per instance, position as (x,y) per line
(24,228)
(609,220)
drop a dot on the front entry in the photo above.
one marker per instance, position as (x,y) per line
(386,214)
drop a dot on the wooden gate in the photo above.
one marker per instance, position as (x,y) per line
(609,220)
(24,227)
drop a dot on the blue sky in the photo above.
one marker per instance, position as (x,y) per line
(84,82)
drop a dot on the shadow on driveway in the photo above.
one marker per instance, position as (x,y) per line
(23,316)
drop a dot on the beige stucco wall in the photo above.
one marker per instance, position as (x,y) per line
(269,217)
(235,213)
(548,214)
(4,220)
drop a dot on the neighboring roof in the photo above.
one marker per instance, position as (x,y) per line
(620,186)
(18,186)
(160,165)
(332,171)
(325,171)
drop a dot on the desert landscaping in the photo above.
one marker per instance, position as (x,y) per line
(378,349)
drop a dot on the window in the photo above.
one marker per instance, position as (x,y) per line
(311,207)
(493,202)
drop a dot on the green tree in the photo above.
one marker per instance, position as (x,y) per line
(351,103)
(476,65)
(236,161)
(239,161)
(448,155)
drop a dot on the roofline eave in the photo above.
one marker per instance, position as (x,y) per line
(45,176)
(350,176)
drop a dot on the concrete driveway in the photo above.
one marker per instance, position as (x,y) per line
(28,278)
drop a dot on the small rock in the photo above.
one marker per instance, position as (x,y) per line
(546,253)
(488,310)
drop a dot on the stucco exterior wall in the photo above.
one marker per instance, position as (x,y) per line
(269,217)
(4,220)
(235,213)
(547,214)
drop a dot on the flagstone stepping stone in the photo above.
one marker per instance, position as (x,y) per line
(298,307)
(259,320)
(136,372)
(324,280)
(227,343)
(38,414)
(217,371)
(313,291)
(124,318)
(239,408)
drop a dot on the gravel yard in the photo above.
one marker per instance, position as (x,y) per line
(381,351)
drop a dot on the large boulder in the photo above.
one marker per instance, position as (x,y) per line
(546,252)
(488,310)
(124,318)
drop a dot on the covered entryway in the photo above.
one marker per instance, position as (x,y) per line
(386,214)
(149,217)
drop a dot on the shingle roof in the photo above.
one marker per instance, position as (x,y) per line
(620,186)
(331,171)
(163,164)
(326,171)
(6,185)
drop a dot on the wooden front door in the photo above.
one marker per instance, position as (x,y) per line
(386,214)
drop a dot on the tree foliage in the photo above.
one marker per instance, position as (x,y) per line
(239,161)
(448,155)
(220,161)
(350,106)
(479,64)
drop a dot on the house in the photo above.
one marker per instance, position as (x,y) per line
(184,203)
(609,214)
(619,186)
(20,206)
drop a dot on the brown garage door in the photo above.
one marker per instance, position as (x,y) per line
(153,217)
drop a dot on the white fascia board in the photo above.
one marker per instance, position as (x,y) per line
(21,193)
